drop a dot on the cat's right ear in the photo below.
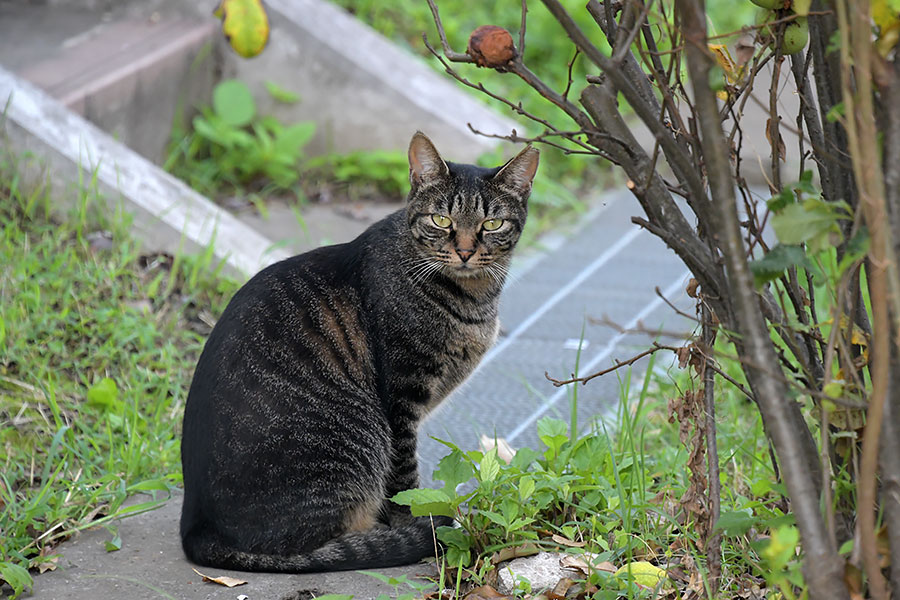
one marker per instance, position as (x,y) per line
(425,164)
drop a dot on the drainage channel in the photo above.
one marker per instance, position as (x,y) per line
(608,268)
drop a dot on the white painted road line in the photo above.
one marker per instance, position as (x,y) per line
(599,357)
(561,293)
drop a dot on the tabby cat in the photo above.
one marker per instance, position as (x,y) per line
(302,416)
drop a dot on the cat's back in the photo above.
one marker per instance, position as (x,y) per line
(296,323)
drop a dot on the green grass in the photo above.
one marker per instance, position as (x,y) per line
(97,344)
(617,492)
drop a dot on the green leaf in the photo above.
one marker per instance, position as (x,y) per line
(526,487)
(495,517)
(805,184)
(233,103)
(553,432)
(809,223)
(735,523)
(776,261)
(782,200)
(291,140)
(245,25)
(454,538)
(523,458)
(103,393)
(424,502)
(115,543)
(280,94)
(781,546)
(453,470)
(856,249)
(16,576)
(490,466)
(835,113)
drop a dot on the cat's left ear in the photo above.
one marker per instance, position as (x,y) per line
(519,171)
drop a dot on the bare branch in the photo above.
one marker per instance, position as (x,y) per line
(448,51)
(796,453)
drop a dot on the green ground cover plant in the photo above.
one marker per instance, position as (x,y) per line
(617,494)
(97,343)
(232,147)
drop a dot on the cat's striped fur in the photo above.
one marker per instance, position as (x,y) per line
(302,416)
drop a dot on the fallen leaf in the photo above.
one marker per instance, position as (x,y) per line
(484,592)
(579,563)
(560,589)
(50,564)
(564,541)
(512,552)
(223,580)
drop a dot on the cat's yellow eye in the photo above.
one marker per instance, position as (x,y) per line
(492,224)
(441,220)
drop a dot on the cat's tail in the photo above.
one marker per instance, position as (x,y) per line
(371,549)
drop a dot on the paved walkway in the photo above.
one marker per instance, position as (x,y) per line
(607,267)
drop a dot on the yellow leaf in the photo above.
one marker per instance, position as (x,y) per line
(223,580)
(245,25)
(642,573)
(884,14)
(733,73)
(833,389)
(888,39)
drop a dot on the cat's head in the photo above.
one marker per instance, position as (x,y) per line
(467,219)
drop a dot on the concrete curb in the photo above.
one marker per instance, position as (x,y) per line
(167,213)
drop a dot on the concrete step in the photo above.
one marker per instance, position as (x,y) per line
(130,77)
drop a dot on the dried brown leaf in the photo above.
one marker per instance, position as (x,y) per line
(222,580)
(781,147)
(484,592)
(48,565)
(564,541)
(692,287)
(512,552)
(853,577)
(560,589)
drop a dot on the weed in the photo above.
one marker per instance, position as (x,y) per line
(612,496)
(232,147)
(97,340)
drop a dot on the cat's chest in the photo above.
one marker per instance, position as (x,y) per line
(461,353)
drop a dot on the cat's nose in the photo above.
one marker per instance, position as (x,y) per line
(465,255)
